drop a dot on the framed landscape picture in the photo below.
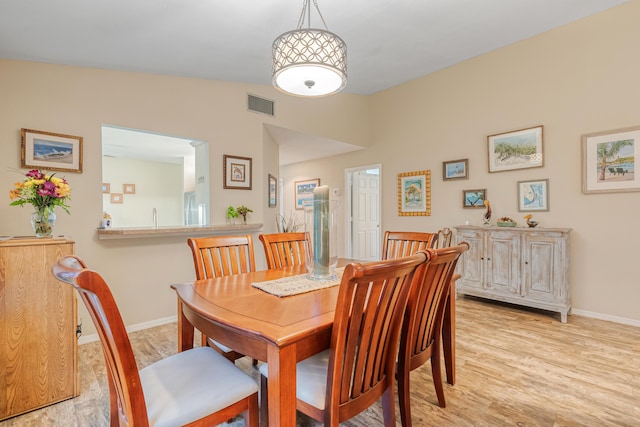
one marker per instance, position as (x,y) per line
(304,191)
(533,195)
(414,193)
(51,151)
(473,198)
(455,169)
(609,161)
(519,149)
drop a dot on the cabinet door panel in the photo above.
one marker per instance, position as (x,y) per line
(38,348)
(503,266)
(470,265)
(540,263)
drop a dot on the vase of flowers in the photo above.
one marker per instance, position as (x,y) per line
(44,192)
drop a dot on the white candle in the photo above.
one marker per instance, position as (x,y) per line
(321,253)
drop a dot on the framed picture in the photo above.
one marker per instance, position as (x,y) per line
(608,161)
(414,193)
(51,151)
(116,198)
(304,191)
(455,169)
(237,172)
(473,198)
(273,191)
(106,188)
(519,149)
(129,188)
(533,195)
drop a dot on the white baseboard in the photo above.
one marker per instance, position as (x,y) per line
(600,316)
(146,325)
(133,328)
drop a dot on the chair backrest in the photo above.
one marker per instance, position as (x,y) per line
(444,238)
(364,340)
(425,307)
(218,256)
(399,244)
(125,390)
(284,249)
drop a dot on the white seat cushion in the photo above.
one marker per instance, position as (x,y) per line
(311,379)
(190,385)
(222,347)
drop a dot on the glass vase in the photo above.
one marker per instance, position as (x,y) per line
(321,226)
(42,221)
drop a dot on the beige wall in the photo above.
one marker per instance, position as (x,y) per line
(573,80)
(159,185)
(577,79)
(77,101)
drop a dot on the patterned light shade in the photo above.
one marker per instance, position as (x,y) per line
(309,62)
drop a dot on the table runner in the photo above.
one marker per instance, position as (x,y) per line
(294,285)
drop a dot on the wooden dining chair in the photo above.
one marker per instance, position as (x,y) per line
(359,368)
(284,249)
(397,244)
(445,235)
(421,335)
(218,256)
(197,387)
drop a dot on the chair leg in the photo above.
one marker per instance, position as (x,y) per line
(251,416)
(264,402)
(436,373)
(404,396)
(389,407)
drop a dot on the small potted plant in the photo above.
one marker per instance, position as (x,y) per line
(243,210)
(232,214)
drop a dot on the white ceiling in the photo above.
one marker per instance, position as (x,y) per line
(388,42)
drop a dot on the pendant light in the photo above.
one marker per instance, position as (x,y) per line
(309,62)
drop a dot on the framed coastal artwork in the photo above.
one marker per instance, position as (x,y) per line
(473,198)
(609,160)
(304,191)
(533,195)
(455,169)
(414,193)
(51,151)
(237,172)
(518,149)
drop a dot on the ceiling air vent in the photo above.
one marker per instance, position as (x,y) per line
(260,105)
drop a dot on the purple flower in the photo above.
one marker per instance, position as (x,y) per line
(35,174)
(48,189)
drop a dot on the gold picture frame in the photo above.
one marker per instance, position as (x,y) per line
(50,151)
(414,193)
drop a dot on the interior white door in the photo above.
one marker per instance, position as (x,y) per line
(365,205)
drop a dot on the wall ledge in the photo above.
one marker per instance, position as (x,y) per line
(145,232)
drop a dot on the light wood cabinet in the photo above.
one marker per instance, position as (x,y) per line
(525,266)
(38,317)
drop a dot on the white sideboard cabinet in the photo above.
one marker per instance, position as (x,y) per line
(525,266)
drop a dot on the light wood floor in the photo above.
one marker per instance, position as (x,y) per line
(516,367)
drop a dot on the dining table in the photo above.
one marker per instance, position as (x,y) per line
(280,330)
